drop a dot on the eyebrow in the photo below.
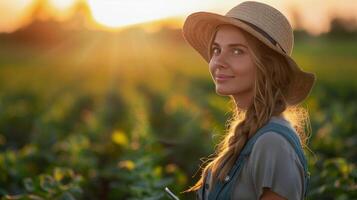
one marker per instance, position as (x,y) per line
(232,45)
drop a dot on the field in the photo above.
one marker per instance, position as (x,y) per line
(96,115)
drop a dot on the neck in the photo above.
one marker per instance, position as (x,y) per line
(243,100)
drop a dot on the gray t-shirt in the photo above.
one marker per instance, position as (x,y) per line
(273,163)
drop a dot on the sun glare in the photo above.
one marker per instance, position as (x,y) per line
(14,14)
(113,15)
(62,4)
(59,9)
(116,14)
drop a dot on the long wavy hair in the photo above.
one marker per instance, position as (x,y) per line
(272,76)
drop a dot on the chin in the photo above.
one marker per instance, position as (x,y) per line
(223,92)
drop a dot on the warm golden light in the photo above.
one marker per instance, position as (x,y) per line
(314,16)
(59,9)
(62,4)
(14,14)
(116,14)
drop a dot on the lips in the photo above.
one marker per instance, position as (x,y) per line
(223,76)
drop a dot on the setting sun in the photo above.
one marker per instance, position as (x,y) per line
(116,14)
(62,4)
(111,15)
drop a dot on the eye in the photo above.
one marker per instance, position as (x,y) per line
(237,51)
(215,50)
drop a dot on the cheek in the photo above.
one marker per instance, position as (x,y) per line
(244,67)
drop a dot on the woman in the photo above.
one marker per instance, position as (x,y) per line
(248,51)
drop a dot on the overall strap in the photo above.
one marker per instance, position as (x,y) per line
(224,190)
(200,193)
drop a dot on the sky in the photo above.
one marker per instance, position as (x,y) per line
(314,15)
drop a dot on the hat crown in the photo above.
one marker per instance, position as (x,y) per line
(268,19)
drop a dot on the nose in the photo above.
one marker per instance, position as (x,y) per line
(219,61)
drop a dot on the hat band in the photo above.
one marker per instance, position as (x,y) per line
(262,32)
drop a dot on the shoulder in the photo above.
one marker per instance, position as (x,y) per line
(273,163)
(273,149)
(273,141)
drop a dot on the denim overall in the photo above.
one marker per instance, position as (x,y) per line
(224,190)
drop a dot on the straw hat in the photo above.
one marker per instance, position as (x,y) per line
(264,22)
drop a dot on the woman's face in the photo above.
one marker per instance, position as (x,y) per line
(231,65)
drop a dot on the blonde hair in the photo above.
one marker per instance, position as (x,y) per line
(272,77)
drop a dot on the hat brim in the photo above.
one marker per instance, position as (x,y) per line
(199,27)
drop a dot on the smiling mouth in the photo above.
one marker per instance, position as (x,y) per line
(221,78)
